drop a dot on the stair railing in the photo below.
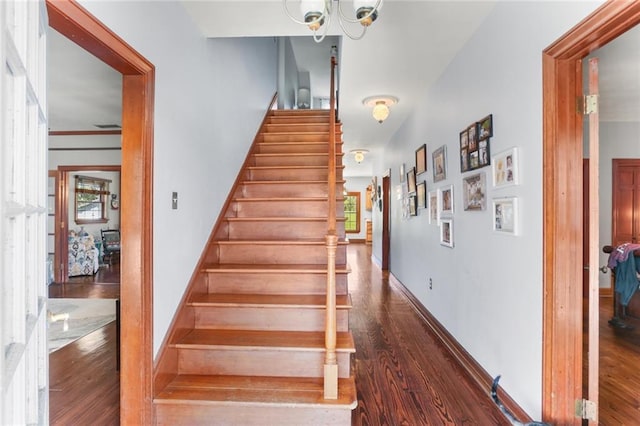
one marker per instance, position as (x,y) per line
(330,360)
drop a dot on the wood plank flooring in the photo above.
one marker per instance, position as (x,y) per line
(403,375)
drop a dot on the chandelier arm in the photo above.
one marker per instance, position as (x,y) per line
(325,13)
(348,34)
(324,33)
(342,16)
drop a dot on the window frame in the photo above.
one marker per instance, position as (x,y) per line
(103,192)
(357,196)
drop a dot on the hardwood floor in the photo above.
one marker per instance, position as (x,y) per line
(403,375)
(84,385)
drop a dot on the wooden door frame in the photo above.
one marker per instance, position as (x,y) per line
(63,199)
(616,163)
(562,198)
(136,290)
(386,213)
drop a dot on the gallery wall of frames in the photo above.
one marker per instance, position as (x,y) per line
(436,201)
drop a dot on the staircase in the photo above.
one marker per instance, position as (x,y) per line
(248,343)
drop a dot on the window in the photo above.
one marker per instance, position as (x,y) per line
(91,199)
(352,212)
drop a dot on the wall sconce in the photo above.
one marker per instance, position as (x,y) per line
(317,14)
(380,106)
(358,154)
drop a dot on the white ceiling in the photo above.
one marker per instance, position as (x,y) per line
(402,54)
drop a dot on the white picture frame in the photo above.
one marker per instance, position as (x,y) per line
(445,200)
(434,209)
(505,215)
(446,232)
(504,167)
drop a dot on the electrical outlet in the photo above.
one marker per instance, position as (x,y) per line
(430,284)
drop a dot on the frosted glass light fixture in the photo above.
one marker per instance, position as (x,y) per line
(380,106)
(358,154)
(316,14)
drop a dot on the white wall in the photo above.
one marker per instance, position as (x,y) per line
(82,157)
(210,97)
(487,290)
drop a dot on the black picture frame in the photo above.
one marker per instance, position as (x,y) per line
(485,127)
(411,180)
(421,159)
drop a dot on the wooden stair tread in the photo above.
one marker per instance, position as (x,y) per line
(291,167)
(272,268)
(294,154)
(286,199)
(260,339)
(288,391)
(287,182)
(281,219)
(269,300)
(297,241)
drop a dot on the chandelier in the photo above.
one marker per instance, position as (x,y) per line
(316,14)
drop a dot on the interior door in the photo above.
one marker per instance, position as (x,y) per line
(592,227)
(386,211)
(626,210)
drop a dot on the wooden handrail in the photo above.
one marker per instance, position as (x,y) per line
(330,360)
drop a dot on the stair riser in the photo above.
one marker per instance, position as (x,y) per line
(285,208)
(273,283)
(319,173)
(288,148)
(247,414)
(294,160)
(278,254)
(252,362)
(289,189)
(261,230)
(262,318)
(299,120)
(298,128)
(297,137)
(299,112)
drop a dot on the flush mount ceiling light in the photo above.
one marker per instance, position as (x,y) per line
(316,14)
(380,106)
(358,154)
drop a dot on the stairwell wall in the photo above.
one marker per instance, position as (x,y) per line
(487,290)
(210,98)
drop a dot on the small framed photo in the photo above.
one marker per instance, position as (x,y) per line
(433,207)
(474,192)
(464,139)
(473,137)
(445,200)
(505,215)
(411,180)
(446,232)
(483,153)
(505,168)
(485,127)
(440,164)
(403,174)
(421,159)
(464,160)
(421,193)
(413,208)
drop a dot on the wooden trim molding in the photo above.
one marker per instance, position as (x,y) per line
(84,132)
(76,23)
(562,199)
(478,374)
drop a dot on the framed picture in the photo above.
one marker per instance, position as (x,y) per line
(446,232)
(505,215)
(483,153)
(474,192)
(440,164)
(505,168)
(374,186)
(464,160)
(411,180)
(473,137)
(403,174)
(421,159)
(445,200)
(413,209)
(433,207)
(421,193)
(485,127)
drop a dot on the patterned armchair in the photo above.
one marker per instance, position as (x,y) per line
(84,257)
